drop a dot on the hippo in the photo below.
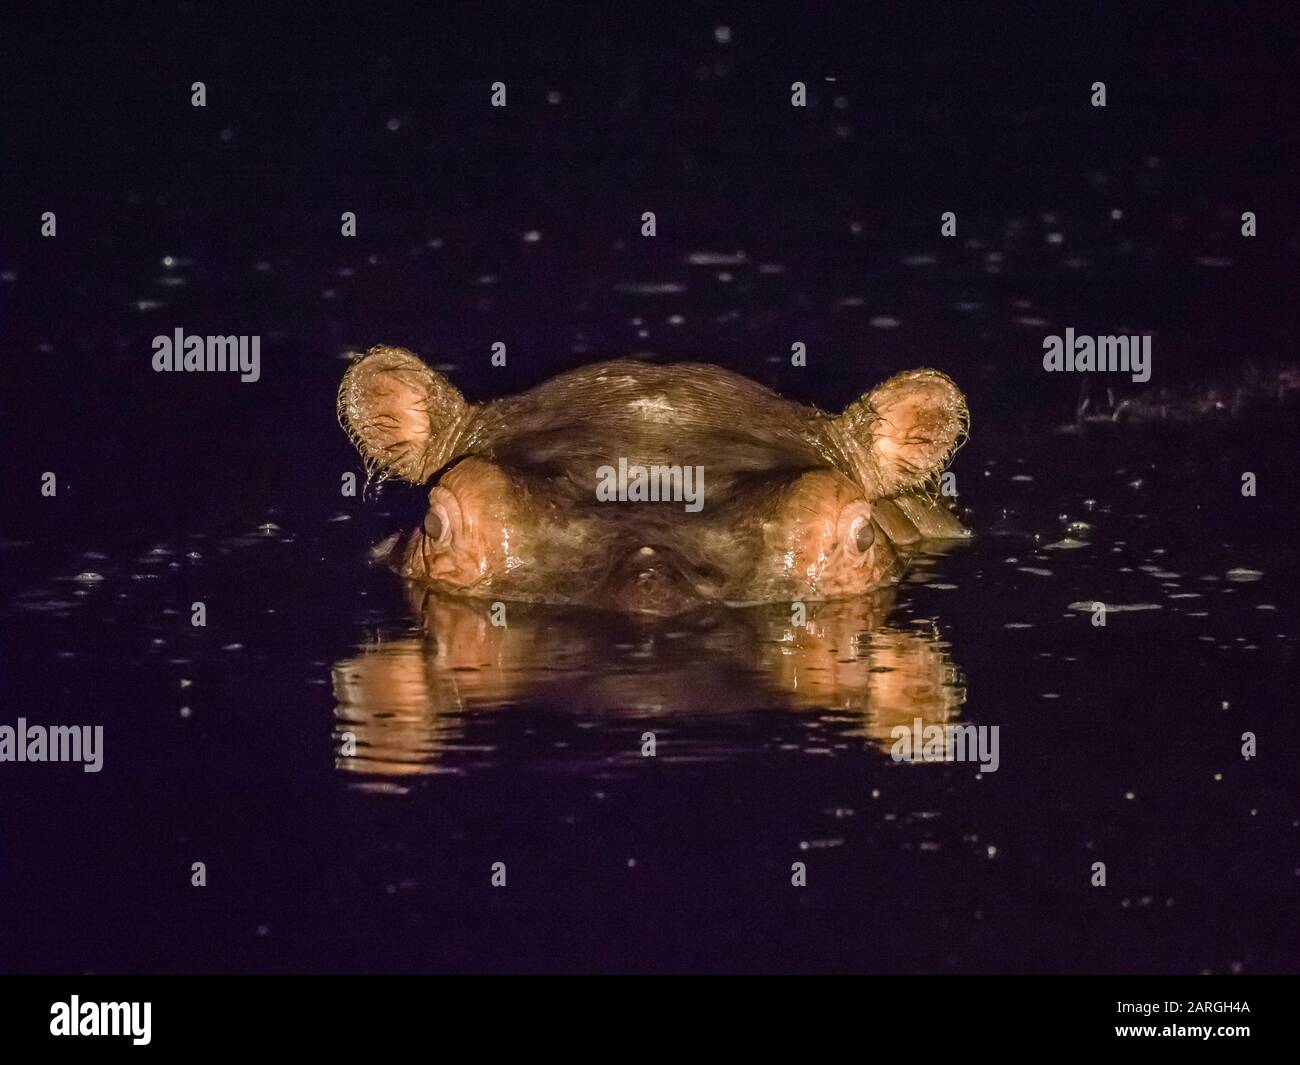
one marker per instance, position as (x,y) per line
(542,497)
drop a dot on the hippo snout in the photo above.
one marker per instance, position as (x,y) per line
(656,581)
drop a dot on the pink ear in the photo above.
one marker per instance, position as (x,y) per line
(902,434)
(404,418)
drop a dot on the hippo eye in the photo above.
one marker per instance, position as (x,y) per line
(863,534)
(857,532)
(437,525)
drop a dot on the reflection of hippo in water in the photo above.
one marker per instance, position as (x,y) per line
(407,699)
(796,504)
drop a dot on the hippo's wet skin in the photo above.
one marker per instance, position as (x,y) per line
(796,504)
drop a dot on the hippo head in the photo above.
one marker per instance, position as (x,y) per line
(655,489)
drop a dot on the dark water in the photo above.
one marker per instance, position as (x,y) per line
(523,745)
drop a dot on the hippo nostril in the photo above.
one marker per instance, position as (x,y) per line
(658,580)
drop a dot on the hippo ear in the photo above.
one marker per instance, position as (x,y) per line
(405,419)
(903,433)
